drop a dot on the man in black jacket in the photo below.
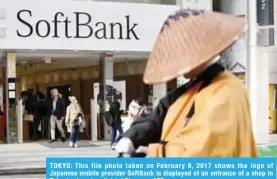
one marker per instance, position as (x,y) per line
(116,125)
(57,114)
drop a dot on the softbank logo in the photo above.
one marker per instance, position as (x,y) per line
(3,28)
(79,25)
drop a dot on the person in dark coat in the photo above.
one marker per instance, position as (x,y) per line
(35,110)
(30,100)
(57,115)
(116,126)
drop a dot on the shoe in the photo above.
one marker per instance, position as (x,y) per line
(71,144)
(63,139)
(75,145)
(113,147)
(51,141)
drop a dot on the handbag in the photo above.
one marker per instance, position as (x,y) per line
(29,117)
(39,127)
(108,118)
(78,119)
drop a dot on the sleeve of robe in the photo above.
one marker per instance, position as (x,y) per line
(213,134)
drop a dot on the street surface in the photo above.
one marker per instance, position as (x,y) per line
(24,176)
(28,158)
(32,156)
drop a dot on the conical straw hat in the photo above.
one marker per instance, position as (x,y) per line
(188,39)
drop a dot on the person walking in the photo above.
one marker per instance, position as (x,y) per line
(74,120)
(117,122)
(35,111)
(57,114)
(210,115)
(134,108)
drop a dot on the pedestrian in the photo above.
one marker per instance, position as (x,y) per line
(207,117)
(30,112)
(117,122)
(134,108)
(57,114)
(34,110)
(74,120)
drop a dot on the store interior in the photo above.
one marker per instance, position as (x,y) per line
(75,74)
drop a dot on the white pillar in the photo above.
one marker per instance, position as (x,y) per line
(107,72)
(159,91)
(257,78)
(93,118)
(10,85)
(107,79)
(19,114)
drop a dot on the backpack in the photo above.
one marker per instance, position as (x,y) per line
(108,118)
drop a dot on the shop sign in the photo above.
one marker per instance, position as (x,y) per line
(265,12)
(80,25)
(265,17)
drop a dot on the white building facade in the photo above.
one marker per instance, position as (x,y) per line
(256,56)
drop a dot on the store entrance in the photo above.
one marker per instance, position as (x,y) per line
(74,73)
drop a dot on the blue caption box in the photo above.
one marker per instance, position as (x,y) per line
(160,168)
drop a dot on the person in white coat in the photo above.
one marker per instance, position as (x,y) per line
(74,120)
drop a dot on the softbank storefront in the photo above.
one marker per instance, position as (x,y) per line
(77,47)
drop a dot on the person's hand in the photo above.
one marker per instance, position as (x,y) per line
(142,149)
(125,145)
(62,118)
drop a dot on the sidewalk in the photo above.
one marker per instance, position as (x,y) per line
(30,158)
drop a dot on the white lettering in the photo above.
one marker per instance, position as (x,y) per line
(60,165)
(166,165)
(263,6)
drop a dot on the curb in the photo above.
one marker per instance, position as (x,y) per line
(22,171)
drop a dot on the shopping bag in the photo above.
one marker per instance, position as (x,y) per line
(39,127)
(29,117)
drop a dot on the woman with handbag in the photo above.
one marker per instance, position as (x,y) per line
(74,120)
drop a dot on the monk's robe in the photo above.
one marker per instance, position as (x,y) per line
(220,127)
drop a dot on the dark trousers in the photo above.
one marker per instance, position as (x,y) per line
(74,132)
(33,128)
(116,128)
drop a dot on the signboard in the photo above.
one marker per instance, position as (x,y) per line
(265,37)
(265,17)
(80,25)
(265,12)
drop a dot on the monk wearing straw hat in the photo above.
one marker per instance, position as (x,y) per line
(207,117)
